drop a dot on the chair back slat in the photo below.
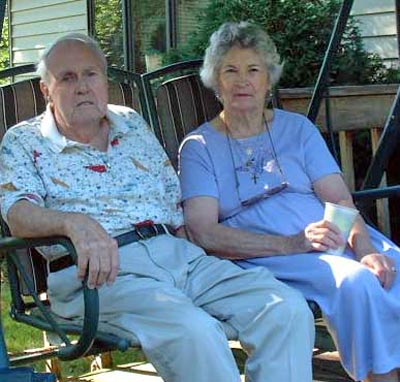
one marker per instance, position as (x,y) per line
(182,105)
(126,94)
(18,102)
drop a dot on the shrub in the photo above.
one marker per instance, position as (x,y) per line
(301,31)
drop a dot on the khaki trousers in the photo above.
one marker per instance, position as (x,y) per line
(173,297)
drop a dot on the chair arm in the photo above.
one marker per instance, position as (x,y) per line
(376,193)
(91,300)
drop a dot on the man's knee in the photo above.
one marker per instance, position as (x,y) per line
(292,310)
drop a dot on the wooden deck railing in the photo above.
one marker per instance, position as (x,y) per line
(351,110)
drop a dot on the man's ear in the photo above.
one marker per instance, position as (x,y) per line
(45,91)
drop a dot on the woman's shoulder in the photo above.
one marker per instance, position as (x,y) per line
(282,114)
(206,135)
(293,121)
(205,128)
(206,131)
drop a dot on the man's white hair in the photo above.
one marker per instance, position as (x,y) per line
(41,68)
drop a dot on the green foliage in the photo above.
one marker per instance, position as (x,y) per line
(301,31)
(109,30)
(4,49)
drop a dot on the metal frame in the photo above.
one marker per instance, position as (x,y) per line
(91,17)
(2,15)
(129,38)
(171,8)
(334,42)
(160,75)
(391,132)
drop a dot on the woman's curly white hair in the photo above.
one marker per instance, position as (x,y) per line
(247,36)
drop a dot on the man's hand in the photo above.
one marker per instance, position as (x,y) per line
(97,250)
(383,266)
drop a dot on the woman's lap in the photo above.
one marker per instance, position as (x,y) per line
(363,316)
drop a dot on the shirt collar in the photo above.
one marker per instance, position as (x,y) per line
(59,142)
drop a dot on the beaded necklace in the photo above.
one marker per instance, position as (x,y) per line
(252,156)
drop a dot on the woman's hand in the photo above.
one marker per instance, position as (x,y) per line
(382,266)
(323,235)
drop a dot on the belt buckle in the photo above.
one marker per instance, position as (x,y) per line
(146,224)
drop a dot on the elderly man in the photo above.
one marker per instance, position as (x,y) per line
(91,171)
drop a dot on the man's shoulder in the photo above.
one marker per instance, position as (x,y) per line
(25,128)
(124,112)
(128,116)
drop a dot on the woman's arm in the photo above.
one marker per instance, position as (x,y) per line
(201,219)
(333,189)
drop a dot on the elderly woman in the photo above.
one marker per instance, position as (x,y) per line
(254,183)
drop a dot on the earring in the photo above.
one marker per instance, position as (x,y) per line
(269,100)
(48,99)
(218,97)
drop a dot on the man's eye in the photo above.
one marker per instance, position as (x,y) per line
(67,78)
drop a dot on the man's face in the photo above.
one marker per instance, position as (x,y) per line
(76,85)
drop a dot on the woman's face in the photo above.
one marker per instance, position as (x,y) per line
(243,80)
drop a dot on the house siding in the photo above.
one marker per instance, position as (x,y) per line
(35,24)
(377,22)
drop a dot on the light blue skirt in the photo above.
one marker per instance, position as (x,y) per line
(362,317)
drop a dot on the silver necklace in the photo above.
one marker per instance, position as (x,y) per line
(252,156)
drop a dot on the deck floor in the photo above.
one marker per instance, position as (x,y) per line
(326,369)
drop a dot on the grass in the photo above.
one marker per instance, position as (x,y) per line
(20,337)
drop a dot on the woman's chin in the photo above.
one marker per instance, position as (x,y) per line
(243,109)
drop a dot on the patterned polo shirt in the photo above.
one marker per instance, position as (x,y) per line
(133,181)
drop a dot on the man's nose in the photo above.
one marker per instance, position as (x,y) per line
(82,85)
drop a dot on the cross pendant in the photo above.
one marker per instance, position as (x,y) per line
(255,178)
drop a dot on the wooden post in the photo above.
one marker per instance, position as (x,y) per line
(382,205)
(346,157)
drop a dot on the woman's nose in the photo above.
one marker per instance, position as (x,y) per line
(243,79)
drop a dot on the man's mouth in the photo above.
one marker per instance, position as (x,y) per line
(84,103)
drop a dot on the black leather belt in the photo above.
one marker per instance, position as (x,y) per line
(142,231)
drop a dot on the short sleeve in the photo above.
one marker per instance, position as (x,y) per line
(196,172)
(18,176)
(319,161)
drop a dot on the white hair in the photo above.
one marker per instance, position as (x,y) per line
(244,35)
(41,67)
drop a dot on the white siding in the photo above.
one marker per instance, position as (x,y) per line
(378,27)
(35,24)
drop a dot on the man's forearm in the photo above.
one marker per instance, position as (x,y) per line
(26,219)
